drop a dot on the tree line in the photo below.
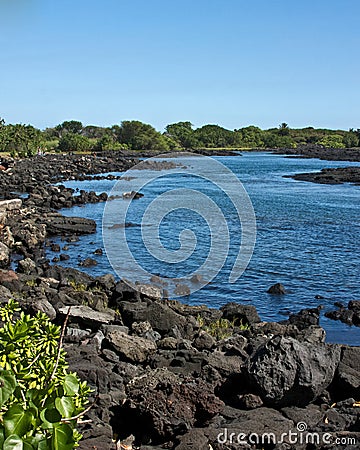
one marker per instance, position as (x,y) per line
(72,135)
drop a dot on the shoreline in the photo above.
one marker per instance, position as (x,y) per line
(325,154)
(327,176)
(169,374)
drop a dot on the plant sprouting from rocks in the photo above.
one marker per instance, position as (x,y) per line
(221,328)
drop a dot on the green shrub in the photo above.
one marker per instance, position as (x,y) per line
(40,402)
(51,145)
(332,141)
(71,142)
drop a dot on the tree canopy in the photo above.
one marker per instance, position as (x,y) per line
(72,135)
(19,140)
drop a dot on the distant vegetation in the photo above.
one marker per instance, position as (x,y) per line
(72,135)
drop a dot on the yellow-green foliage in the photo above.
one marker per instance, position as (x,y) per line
(220,328)
(40,401)
(51,145)
(79,287)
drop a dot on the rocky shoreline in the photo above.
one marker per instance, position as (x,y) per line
(330,176)
(327,176)
(327,154)
(165,374)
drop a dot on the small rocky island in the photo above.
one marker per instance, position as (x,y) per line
(327,176)
(331,176)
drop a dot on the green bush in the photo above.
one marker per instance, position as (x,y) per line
(71,142)
(108,142)
(332,141)
(40,402)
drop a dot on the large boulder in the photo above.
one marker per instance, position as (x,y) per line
(43,305)
(131,348)
(84,314)
(95,299)
(150,290)
(347,377)
(240,314)
(68,275)
(27,231)
(27,266)
(160,316)
(167,405)
(288,372)
(56,224)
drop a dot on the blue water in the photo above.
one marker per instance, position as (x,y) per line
(308,238)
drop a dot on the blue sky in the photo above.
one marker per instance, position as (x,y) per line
(229,62)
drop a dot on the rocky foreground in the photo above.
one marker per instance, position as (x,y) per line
(168,375)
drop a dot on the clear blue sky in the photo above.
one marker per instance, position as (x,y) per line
(229,62)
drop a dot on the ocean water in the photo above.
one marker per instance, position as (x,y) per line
(307,236)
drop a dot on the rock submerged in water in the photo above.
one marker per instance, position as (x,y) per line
(277,289)
(88,262)
(349,315)
(182,289)
(55,248)
(132,195)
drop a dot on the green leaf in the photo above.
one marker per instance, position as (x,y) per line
(7,385)
(62,437)
(2,436)
(43,445)
(13,442)
(17,420)
(38,442)
(65,406)
(71,384)
(49,416)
